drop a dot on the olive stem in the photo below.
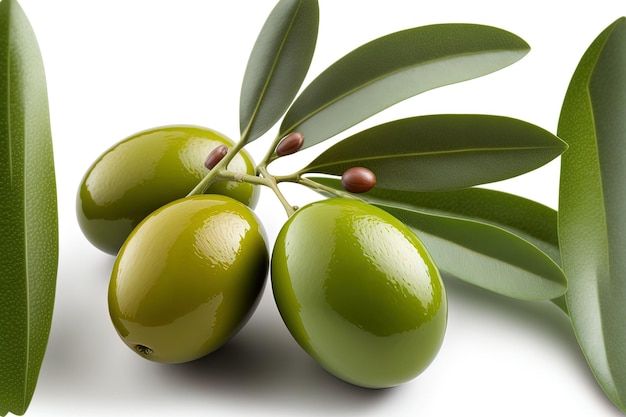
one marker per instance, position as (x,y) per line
(270,155)
(226,175)
(272,182)
(220,173)
(214,173)
(317,186)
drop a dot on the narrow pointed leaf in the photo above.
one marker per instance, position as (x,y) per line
(442,152)
(28,225)
(498,241)
(526,218)
(395,67)
(277,65)
(592,207)
(486,256)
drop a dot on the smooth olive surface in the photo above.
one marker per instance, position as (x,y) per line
(146,171)
(359,292)
(188,278)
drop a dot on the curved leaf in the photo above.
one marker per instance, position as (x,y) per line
(392,68)
(442,152)
(485,255)
(485,218)
(277,66)
(526,218)
(28,225)
(592,206)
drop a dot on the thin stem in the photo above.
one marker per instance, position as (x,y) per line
(220,173)
(226,175)
(213,174)
(273,184)
(270,155)
(317,186)
(271,180)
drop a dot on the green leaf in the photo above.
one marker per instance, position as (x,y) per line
(592,207)
(395,67)
(486,256)
(495,240)
(277,66)
(526,218)
(442,152)
(28,225)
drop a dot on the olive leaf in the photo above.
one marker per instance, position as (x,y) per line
(395,67)
(526,218)
(495,240)
(28,225)
(442,152)
(277,65)
(486,256)
(592,207)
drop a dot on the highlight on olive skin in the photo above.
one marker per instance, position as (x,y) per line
(361,314)
(351,274)
(146,171)
(188,278)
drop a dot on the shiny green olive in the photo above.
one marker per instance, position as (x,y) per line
(146,171)
(188,278)
(359,292)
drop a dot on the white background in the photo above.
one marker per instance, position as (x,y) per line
(119,66)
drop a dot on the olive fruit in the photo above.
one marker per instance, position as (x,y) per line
(188,278)
(146,171)
(359,292)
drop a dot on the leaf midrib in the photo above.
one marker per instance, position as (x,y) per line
(12,183)
(387,75)
(606,239)
(605,363)
(265,88)
(482,253)
(425,154)
(8,97)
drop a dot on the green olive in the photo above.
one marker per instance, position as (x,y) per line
(188,278)
(359,292)
(146,171)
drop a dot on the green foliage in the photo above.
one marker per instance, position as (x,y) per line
(277,65)
(29,252)
(442,152)
(395,67)
(592,207)
(494,240)
(426,168)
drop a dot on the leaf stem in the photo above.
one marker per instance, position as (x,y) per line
(221,173)
(263,177)
(316,186)
(270,155)
(272,182)
(215,173)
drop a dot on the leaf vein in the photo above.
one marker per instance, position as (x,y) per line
(271,73)
(410,155)
(376,80)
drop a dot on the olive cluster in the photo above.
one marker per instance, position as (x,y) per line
(354,285)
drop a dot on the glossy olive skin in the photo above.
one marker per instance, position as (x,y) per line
(188,278)
(358,292)
(146,171)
